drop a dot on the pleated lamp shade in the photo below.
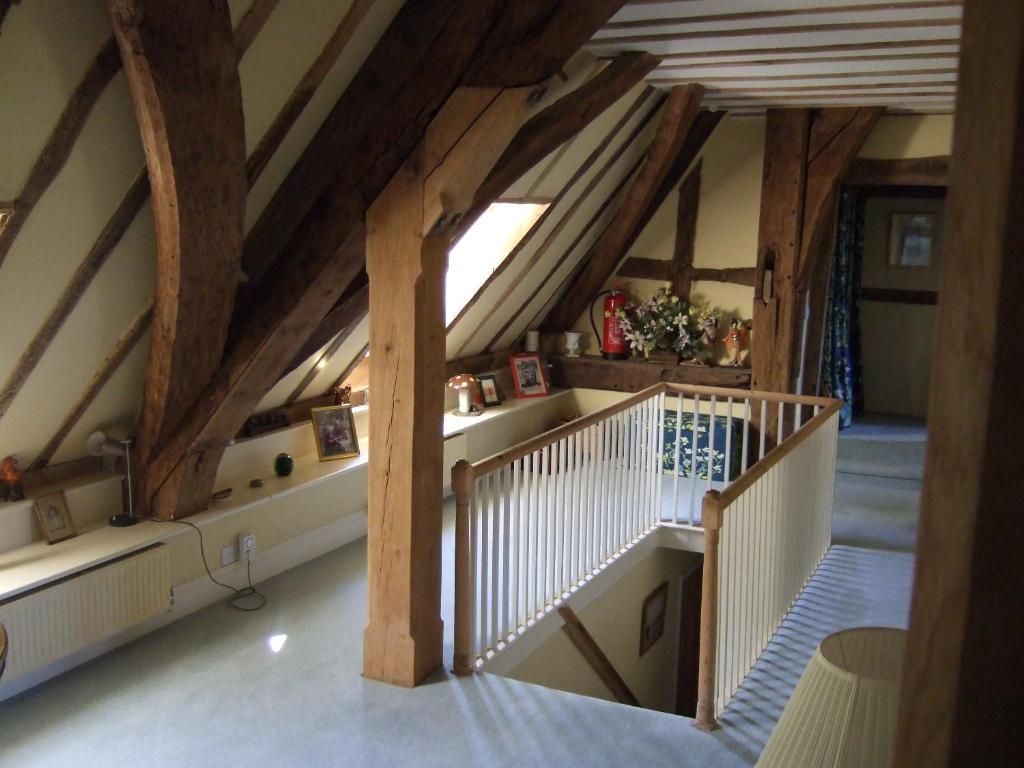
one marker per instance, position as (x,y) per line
(843,711)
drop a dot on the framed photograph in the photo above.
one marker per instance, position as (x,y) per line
(911,236)
(652,619)
(54,517)
(529,375)
(489,390)
(335,431)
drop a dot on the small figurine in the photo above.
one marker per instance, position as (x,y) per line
(709,337)
(10,479)
(736,341)
(342,395)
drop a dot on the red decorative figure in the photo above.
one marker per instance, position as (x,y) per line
(10,477)
(736,341)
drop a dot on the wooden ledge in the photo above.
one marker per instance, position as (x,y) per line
(592,372)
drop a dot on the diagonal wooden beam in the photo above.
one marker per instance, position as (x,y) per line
(385,110)
(681,275)
(562,120)
(310,236)
(105,243)
(831,151)
(62,139)
(677,117)
(182,68)
(305,89)
(125,343)
(340,321)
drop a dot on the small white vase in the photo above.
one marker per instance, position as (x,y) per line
(572,343)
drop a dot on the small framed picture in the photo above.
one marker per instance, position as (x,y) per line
(529,375)
(652,619)
(54,517)
(489,390)
(911,236)
(335,431)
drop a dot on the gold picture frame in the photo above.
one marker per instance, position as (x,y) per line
(335,432)
(53,517)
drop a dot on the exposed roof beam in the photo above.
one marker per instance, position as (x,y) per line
(182,69)
(677,117)
(767,32)
(884,46)
(779,13)
(556,124)
(771,77)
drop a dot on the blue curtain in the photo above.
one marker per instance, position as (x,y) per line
(841,374)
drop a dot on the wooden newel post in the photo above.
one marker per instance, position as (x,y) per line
(711,519)
(462,486)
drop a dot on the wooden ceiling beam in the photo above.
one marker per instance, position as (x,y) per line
(839,48)
(565,118)
(672,61)
(106,242)
(668,150)
(831,150)
(311,237)
(780,13)
(340,321)
(61,141)
(182,68)
(902,172)
(767,32)
(445,43)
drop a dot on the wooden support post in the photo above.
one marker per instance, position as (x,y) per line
(408,234)
(711,520)
(403,639)
(462,487)
(960,701)
(595,657)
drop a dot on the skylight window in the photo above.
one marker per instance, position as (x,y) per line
(483,248)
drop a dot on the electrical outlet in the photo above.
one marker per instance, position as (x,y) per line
(246,546)
(228,555)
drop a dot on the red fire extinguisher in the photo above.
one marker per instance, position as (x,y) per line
(613,342)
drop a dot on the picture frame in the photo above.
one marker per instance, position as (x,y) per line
(335,432)
(529,375)
(54,517)
(911,239)
(489,391)
(652,617)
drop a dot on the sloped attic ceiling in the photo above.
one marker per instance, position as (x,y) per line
(78,276)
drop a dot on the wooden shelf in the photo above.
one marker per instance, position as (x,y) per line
(592,372)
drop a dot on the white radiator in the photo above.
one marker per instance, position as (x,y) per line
(56,621)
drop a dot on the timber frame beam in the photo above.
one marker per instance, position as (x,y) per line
(308,246)
(182,68)
(681,134)
(541,134)
(807,152)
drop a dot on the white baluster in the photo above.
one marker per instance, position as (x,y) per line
(711,441)
(693,455)
(746,434)
(727,467)
(764,428)
(675,461)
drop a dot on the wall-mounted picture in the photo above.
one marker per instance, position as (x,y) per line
(652,619)
(54,517)
(489,390)
(529,375)
(335,431)
(911,238)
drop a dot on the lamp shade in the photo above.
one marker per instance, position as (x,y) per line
(843,710)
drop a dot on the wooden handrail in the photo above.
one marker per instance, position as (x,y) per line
(752,394)
(527,447)
(777,454)
(462,486)
(595,657)
(711,519)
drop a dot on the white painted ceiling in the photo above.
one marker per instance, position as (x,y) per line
(754,54)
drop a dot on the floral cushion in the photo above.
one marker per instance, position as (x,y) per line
(703,445)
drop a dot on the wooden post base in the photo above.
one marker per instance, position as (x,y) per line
(407,661)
